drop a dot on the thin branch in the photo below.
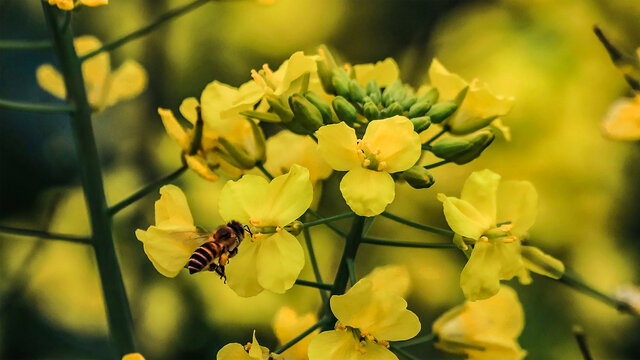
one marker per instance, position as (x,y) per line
(19,45)
(436,136)
(34,107)
(169,15)
(416,341)
(403,352)
(313,284)
(437,164)
(304,334)
(330,226)
(433,229)
(266,172)
(45,235)
(409,244)
(578,332)
(314,262)
(146,190)
(327,220)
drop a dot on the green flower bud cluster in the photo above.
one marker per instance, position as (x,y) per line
(461,150)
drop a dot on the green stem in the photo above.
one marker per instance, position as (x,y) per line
(416,341)
(578,332)
(409,244)
(304,334)
(314,284)
(115,297)
(578,284)
(266,172)
(433,229)
(330,226)
(146,190)
(169,15)
(25,45)
(436,136)
(403,352)
(326,220)
(352,271)
(45,235)
(435,165)
(314,261)
(32,107)
(342,276)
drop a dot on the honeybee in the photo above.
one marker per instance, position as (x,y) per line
(222,245)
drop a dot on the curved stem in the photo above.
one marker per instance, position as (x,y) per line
(115,297)
(403,352)
(409,244)
(436,136)
(416,341)
(45,235)
(435,165)
(326,220)
(314,284)
(33,107)
(304,334)
(266,172)
(314,261)
(433,229)
(581,338)
(330,226)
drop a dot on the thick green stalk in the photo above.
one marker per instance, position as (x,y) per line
(115,298)
(45,235)
(342,276)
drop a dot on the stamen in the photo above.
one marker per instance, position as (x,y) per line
(506,227)
(364,333)
(377,152)
(484,239)
(510,239)
(267,70)
(360,349)
(278,229)
(366,162)
(257,78)
(254,222)
(383,343)
(248,346)
(371,338)
(347,67)
(323,56)
(339,326)
(382,165)
(441,197)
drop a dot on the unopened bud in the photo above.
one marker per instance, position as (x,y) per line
(341,82)
(371,111)
(280,107)
(393,92)
(418,177)
(443,110)
(408,101)
(294,228)
(421,123)
(259,141)
(420,108)
(345,111)
(462,150)
(325,65)
(393,110)
(321,105)
(262,116)
(373,90)
(305,113)
(539,262)
(356,91)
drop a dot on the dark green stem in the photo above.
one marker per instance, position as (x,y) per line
(146,190)
(304,334)
(45,235)
(330,226)
(403,352)
(266,172)
(32,107)
(314,261)
(342,276)
(435,165)
(313,284)
(326,220)
(25,45)
(409,244)
(578,332)
(169,15)
(433,229)
(115,297)
(416,341)
(352,271)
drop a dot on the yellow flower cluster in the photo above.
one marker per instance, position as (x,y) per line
(71,4)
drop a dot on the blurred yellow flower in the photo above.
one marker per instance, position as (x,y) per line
(287,324)
(273,257)
(479,107)
(622,121)
(388,146)
(497,253)
(171,241)
(383,72)
(483,330)
(133,356)
(393,278)
(251,351)
(368,318)
(104,87)
(70,4)
(288,78)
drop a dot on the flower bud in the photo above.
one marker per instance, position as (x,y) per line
(237,157)
(345,111)
(259,141)
(443,110)
(279,107)
(393,110)
(421,123)
(393,92)
(196,140)
(408,101)
(294,228)
(321,105)
(341,82)
(325,65)
(305,113)
(356,91)
(418,177)
(541,263)
(462,150)
(373,90)
(371,111)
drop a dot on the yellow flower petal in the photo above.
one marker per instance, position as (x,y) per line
(258,352)
(399,145)
(220,108)
(337,146)
(489,263)
(279,261)
(94,70)
(297,65)
(518,203)
(288,197)
(622,121)
(199,165)
(233,351)
(342,345)
(280,157)
(95,2)
(242,270)
(174,129)
(383,72)
(480,190)
(169,250)
(464,219)
(448,84)
(367,192)
(172,210)
(287,324)
(243,199)
(479,108)
(127,82)
(62,4)
(188,109)
(133,356)
(393,278)
(51,81)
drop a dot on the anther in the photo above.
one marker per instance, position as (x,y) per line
(267,70)
(257,78)
(383,343)
(509,239)
(323,56)
(506,227)
(484,239)
(382,165)
(278,229)
(366,162)
(248,346)
(254,222)
(339,326)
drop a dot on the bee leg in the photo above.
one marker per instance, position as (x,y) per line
(220,271)
(223,259)
(233,252)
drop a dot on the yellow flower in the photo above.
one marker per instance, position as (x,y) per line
(388,146)
(104,87)
(171,241)
(287,325)
(483,330)
(69,4)
(479,108)
(383,72)
(251,351)
(394,278)
(368,318)
(497,252)
(288,78)
(273,258)
(622,121)
(132,356)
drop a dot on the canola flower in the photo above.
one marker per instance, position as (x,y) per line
(479,108)
(273,257)
(133,356)
(71,4)
(368,318)
(384,72)
(388,146)
(483,330)
(251,351)
(104,87)
(287,324)
(622,121)
(494,217)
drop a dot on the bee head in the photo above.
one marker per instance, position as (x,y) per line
(237,228)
